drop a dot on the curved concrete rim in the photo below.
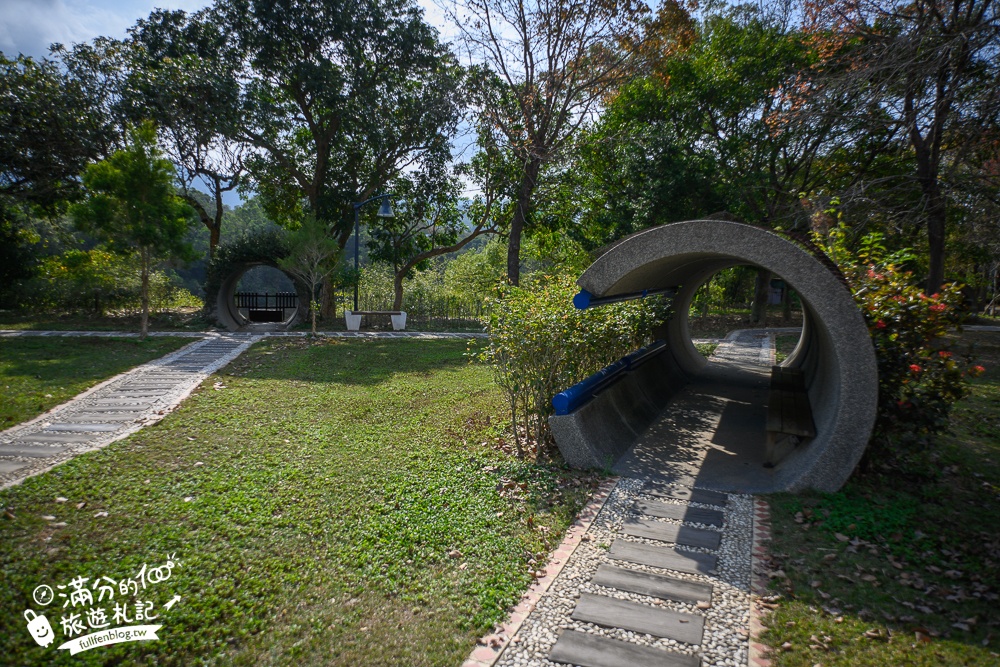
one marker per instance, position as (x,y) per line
(835,351)
(229,316)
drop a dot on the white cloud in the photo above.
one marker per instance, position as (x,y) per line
(30,26)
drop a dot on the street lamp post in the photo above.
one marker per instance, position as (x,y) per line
(384,211)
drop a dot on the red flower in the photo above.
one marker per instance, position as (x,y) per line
(938,308)
(978,370)
(915,368)
(880,324)
(944,354)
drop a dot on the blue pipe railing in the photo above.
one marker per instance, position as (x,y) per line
(570,399)
(585,299)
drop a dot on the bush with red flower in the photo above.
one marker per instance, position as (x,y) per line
(920,376)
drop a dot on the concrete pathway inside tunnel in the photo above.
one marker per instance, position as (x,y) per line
(712,433)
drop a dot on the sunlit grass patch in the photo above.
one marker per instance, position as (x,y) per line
(332,502)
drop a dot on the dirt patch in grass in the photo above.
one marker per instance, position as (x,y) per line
(901,567)
(330,503)
(37,374)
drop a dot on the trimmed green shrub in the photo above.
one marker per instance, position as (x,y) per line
(540,344)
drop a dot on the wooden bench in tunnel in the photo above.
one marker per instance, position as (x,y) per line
(789,415)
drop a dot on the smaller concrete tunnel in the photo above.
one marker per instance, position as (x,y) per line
(696,422)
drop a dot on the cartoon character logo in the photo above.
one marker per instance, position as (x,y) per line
(39,628)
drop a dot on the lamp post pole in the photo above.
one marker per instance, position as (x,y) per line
(384,211)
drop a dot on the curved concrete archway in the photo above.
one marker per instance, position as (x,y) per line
(835,351)
(225,307)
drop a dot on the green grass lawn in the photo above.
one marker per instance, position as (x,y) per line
(330,503)
(37,374)
(901,567)
(180,319)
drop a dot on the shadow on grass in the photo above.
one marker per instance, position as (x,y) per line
(363,362)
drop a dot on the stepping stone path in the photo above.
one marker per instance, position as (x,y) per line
(662,578)
(114,408)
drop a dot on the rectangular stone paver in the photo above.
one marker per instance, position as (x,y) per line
(669,559)
(615,613)
(101,403)
(27,450)
(655,585)
(10,466)
(100,417)
(677,512)
(109,411)
(690,495)
(587,650)
(652,529)
(148,387)
(83,427)
(55,437)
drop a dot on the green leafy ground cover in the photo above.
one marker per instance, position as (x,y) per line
(331,502)
(902,566)
(37,374)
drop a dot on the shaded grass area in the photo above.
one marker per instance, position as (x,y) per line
(37,374)
(784,345)
(901,567)
(706,349)
(330,502)
(181,319)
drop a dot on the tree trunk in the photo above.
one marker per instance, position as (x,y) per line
(397,284)
(761,292)
(524,195)
(328,308)
(786,305)
(144,318)
(312,308)
(214,233)
(936,214)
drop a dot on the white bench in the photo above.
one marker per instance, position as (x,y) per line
(353,318)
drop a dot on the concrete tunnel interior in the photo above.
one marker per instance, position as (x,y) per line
(701,423)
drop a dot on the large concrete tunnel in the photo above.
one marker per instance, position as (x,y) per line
(835,352)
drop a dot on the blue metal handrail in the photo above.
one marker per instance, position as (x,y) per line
(584,299)
(570,399)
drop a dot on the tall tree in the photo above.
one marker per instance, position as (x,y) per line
(543,70)
(183,75)
(428,221)
(933,68)
(132,205)
(339,97)
(48,133)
